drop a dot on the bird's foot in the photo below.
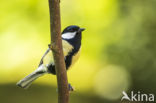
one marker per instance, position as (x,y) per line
(53,47)
(50,46)
(71,89)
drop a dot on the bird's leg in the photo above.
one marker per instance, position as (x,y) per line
(53,47)
(70,88)
(50,46)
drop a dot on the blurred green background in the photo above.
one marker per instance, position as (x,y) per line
(118,49)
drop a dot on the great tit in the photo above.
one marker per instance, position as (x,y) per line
(71,41)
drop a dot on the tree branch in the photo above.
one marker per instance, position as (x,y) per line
(56,47)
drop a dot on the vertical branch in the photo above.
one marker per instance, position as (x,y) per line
(56,47)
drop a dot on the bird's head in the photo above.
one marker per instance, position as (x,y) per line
(72,32)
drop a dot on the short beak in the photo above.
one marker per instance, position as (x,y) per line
(82,29)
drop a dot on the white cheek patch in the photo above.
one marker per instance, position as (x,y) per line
(68,35)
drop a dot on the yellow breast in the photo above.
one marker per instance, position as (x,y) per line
(75,58)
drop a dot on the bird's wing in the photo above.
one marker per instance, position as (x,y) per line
(41,61)
(47,58)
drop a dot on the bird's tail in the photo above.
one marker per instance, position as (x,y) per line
(26,82)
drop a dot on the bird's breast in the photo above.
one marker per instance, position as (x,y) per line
(76,57)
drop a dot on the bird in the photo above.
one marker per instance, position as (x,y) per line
(71,43)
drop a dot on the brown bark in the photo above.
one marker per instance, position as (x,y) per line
(56,47)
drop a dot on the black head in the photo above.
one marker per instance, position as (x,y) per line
(73,28)
(72,34)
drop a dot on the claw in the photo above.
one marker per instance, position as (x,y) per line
(71,89)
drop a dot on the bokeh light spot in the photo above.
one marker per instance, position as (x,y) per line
(111,81)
